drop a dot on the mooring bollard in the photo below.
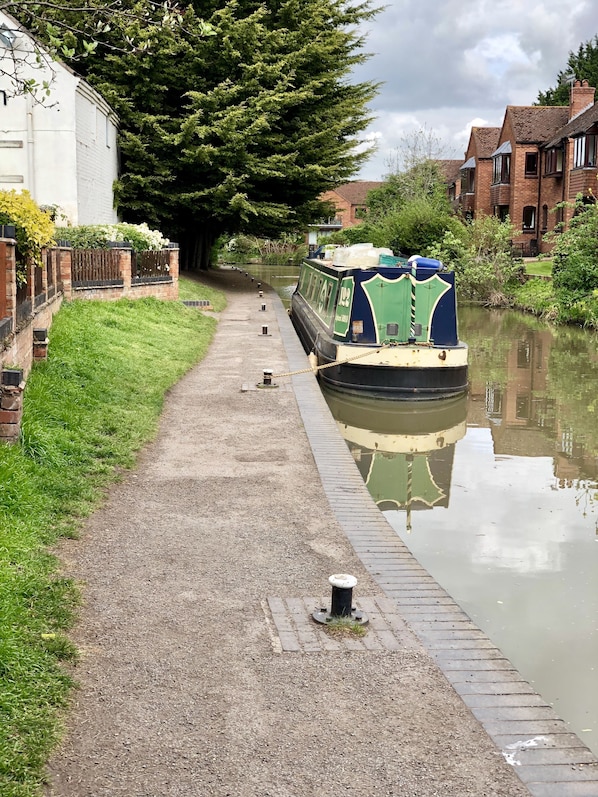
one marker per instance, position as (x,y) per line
(267,376)
(342,594)
(263,308)
(264,329)
(342,600)
(260,294)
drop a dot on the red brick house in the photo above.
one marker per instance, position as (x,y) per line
(477,170)
(543,155)
(349,200)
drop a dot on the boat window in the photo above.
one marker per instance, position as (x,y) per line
(392,330)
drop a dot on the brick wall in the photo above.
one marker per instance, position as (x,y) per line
(17,347)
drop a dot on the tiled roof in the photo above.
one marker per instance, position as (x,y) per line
(486,139)
(356,192)
(535,124)
(577,125)
(450,169)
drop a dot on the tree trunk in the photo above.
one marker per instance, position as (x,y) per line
(196,249)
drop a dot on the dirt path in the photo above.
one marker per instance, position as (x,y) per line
(184,690)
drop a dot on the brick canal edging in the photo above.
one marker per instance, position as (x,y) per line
(549,759)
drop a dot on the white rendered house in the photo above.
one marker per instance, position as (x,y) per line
(61,148)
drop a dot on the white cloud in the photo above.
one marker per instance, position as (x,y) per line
(444,65)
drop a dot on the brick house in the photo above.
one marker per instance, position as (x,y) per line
(477,171)
(349,201)
(543,155)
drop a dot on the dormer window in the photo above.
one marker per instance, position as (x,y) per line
(501,164)
(585,153)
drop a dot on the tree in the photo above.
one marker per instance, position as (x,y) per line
(71,31)
(240,131)
(582,65)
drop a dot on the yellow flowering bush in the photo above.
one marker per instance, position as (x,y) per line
(33,227)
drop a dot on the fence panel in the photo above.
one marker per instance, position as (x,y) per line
(95,267)
(151,265)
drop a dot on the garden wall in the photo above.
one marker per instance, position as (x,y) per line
(26,310)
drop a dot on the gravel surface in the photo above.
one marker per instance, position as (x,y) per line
(183,690)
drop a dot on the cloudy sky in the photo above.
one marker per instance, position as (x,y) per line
(446,65)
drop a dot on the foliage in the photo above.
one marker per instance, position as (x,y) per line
(481,256)
(87,410)
(97,236)
(269,251)
(243,130)
(410,211)
(575,266)
(582,65)
(536,296)
(74,31)
(34,229)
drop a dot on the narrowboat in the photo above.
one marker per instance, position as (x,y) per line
(380,325)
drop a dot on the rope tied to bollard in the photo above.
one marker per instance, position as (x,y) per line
(314,369)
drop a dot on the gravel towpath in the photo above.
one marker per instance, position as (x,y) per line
(185,688)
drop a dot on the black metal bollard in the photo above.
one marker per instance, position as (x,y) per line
(342,594)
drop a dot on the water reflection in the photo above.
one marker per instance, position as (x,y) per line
(404,450)
(517,548)
(516,545)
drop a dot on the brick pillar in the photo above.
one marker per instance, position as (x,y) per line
(64,271)
(124,264)
(173,269)
(9,277)
(40,344)
(11,412)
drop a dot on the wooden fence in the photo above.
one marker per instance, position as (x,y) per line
(95,267)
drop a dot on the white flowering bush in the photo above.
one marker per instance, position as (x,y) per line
(97,236)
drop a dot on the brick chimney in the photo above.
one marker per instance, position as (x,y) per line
(580,98)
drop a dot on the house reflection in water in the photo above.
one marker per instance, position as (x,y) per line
(530,414)
(404,450)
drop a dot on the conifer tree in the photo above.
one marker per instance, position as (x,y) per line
(582,65)
(240,129)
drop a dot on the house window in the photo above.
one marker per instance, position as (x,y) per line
(360,212)
(468,181)
(502,168)
(531,164)
(529,218)
(502,211)
(585,152)
(554,161)
(544,218)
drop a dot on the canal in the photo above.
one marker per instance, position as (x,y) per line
(497,494)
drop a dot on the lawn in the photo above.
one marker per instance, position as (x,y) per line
(88,410)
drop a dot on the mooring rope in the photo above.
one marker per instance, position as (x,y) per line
(317,368)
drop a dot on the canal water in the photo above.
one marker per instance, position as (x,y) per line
(496,494)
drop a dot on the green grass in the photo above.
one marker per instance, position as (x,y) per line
(191,287)
(536,296)
(87,411)
(539,268)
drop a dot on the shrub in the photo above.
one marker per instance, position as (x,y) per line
(97,236)
(34,229)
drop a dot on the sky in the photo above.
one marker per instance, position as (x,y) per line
(448,65)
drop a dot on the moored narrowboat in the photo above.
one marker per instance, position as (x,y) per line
(380,325)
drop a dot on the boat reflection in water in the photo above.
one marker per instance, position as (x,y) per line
(403,449)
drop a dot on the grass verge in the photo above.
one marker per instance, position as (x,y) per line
(87,411)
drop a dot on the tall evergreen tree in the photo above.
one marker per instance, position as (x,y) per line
(582,65)
(243,129)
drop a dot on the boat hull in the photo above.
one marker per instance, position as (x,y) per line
(397,372)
